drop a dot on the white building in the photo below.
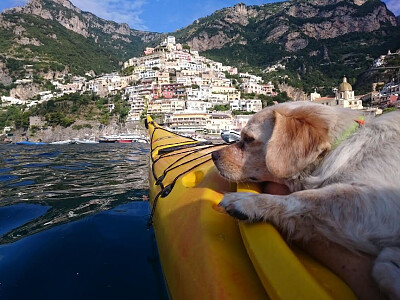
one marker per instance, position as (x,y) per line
(218,122)
(187,122)
(250,78)
(314,95)
(344,97)
(7,101)
(218,99)
(251,105)
(197,106)
(240,121)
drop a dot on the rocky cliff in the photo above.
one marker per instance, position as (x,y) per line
(317,40)
(291,24)
(293,93)
(83,23)
(5,78)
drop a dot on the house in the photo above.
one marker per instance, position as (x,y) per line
(251,105)
(240,121)
(187,122)
(197,106)
(218,122)
(251,88)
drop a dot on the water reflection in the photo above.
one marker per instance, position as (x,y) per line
(66,183)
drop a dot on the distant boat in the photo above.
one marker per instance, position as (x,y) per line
(29,143)
(132,139)
(124,138)
(108,139)
(230,136)
(65,142)
(86,141)
(143,140)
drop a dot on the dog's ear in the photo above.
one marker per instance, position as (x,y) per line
(299,137)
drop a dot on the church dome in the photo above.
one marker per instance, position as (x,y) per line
(345,86)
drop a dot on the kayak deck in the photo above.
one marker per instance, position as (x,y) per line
(204,253)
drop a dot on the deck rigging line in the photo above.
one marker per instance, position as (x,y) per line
(173,150)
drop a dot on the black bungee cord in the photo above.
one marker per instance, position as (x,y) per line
(166,152)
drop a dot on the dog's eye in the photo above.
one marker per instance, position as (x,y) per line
(248,139)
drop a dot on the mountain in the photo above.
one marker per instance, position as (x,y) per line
(58,34)
(318,41)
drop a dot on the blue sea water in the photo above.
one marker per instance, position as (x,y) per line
(73,223)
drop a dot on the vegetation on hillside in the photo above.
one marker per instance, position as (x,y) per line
(64,111)
(62,47)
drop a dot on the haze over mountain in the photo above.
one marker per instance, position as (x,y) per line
(318,40)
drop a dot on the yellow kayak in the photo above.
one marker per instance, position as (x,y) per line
(206,254)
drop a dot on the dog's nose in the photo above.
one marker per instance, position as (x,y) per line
(215,155)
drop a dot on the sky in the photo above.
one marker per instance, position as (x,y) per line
(160,15)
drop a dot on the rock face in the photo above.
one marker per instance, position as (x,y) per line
(290,24)
(5,78)
(204,42)
(294,93)
(83,23)
(25,91)
(342,24)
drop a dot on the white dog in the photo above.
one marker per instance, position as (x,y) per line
(345,180)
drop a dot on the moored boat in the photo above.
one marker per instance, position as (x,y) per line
(108,139)
(132,139)
(85,141)
(29,143)
(206,254)
(64,142)
(124,138)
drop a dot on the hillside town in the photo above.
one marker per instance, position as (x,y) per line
(190,93)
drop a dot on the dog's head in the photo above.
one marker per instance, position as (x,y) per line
(277,143)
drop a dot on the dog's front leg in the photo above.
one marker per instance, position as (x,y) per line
(343,213)
(282,211)
(340,213)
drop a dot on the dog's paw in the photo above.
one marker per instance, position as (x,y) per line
(240,206)
(386,272)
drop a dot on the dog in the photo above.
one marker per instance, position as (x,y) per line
(344,179)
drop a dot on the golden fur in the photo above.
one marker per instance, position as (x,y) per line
(349,195)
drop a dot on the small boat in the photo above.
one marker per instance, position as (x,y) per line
(206,254)
(125,138)
(29,143)
(132,139)
(230,136)
(108,139)
(65,142)
(141,139)
(85,141)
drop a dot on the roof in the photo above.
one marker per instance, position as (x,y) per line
(345,86)
(321,99)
